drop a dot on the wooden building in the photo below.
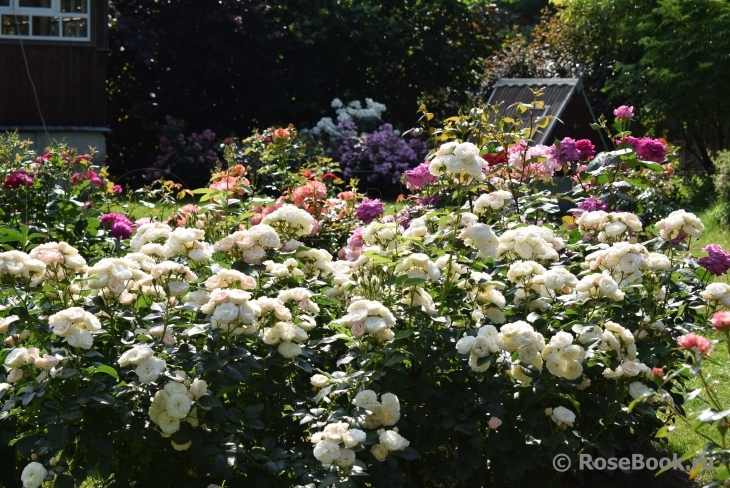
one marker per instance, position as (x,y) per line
(53,56)
(564,99)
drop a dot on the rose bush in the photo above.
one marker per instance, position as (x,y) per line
(317,340)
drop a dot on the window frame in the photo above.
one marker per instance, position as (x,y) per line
(54,12)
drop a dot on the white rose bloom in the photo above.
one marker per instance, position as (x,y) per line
(353,437)
(150,369)
(17,357)
(637,390)
(465,344)
(80,338)
(136,355)
(168,424)
(289,349)
(563,415)
(336,431)
(346,458)
(366,399)
(199,388)
(326,451)
(379,451)
(318,380)
(178,405)
(392,440)
(33,475)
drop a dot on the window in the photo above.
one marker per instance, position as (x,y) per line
(61,20)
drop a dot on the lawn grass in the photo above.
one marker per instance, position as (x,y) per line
(683,439)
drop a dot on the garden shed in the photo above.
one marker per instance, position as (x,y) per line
(53,55)
(564,99)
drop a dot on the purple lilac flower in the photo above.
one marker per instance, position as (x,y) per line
(382,153)
(591,204)
(718,261)
(369,210)
(419,177)
(624,112)
(16,179)
(120,225)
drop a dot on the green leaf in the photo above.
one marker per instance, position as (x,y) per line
(209,401)
(396,359)
(108,370)
(253,411)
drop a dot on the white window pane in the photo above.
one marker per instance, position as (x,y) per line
(74,28)
(45,26)
(35,3)
(15,25)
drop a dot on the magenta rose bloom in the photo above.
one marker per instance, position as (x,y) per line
(591,204)
(635,142)
(718,261)
(419,176)
(586,149)
(624,112)
(651,150)
(369,210)
(16,179)
(120,225)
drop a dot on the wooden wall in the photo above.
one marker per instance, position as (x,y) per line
(70,79)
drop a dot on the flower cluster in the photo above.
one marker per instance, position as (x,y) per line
(173,405)
(678,225)
(459,161)
(334,444)
(371,317)
(608,226)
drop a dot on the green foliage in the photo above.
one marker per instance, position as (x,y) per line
(722,188)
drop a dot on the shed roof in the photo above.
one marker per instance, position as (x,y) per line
(556,95)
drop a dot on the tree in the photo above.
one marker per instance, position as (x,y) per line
(233,65)
(668,58)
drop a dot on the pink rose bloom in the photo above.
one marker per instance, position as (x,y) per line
(651,150)
(46,362)
(189,209)
(586,149)
(419,176)
(721,321)
(228,183)
(494,423)
(117,189)
(695,342)
(624,112)
(368,210)
(718,261)
(281,134)
(15,375)
(17,179)
(358,329)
